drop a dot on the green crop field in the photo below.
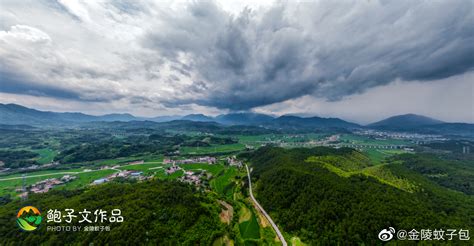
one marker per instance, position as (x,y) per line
(378,155)
(223,148)
(44,172)
(224,184)
(175,175)
(145,167)
(45,155)
(9,186)
(118,160)
(375,155)
(250,229)
(214,169)
(86,178)
(82,178)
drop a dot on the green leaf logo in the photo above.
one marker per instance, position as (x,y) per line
(28,218)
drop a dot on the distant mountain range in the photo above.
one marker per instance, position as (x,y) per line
(405,121)
(423,124)
(13,114)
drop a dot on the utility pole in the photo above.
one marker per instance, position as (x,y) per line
(23,188)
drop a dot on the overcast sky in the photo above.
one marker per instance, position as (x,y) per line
(358,60)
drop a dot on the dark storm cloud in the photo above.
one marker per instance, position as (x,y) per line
(14,83)
(19,84)
(326,49)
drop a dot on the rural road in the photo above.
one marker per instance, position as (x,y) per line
(39,175)
(275,227)
(58,173)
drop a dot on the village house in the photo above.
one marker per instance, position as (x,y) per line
(172,169)
(47,184)
(205,159)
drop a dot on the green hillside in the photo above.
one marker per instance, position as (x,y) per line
(155,213)
(320,206)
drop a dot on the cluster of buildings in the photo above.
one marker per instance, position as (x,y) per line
(122,174)
(47,184)
(233,161)
(416,137)
(191,177)
(205,159)
(172,169)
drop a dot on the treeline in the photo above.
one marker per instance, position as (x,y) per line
(179,126)
(322,208)
(454,174)
(154,212)
(134,145)
(17,158)
(455,146)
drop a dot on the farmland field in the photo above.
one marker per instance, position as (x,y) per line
(86,178)
(357,139)
(224,184)
(249,228)
(222,148)
(146,168)
(45,155)
(214,169)
(83,178)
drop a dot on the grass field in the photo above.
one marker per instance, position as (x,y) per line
(44,172)
(214,169)
(82,179)
(224,184)
(379,172)
(123,160)
(162,175)
(375,155)
(45,155)
(145,167)
(9,186)
(378,155)
(249,229)
(296,241)
(223,148)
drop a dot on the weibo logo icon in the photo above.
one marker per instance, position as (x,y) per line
(386,234)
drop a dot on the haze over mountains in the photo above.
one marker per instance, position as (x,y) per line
(13,114)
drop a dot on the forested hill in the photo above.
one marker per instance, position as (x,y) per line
(155,213)
(323,207)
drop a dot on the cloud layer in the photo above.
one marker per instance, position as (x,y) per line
(200,54)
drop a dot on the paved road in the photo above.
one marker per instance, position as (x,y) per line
(275,227)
